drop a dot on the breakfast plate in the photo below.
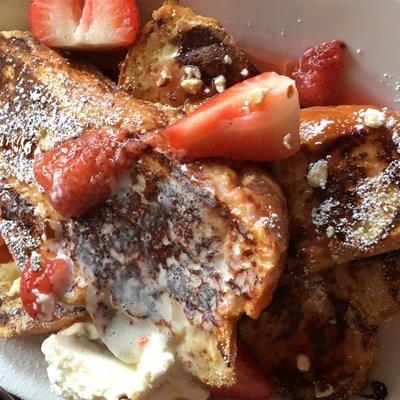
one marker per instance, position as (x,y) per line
(271,32)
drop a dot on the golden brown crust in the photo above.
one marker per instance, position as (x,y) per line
(175,38)
(15,322)
(355,214)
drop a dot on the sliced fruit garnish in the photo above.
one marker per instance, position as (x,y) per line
(77,174)
(257,119)
(251,383)
(84,24)
(317,73)
(42,285)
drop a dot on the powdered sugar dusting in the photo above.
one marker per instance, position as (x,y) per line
(311,129)
(18,165)
(29,110)
(321,215)
(19,240)
(396,140)
(45,101)
(370,217)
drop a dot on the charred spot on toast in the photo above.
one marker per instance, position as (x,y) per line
(21,43)
(15,207)
(209,50)
(180,57)
(4,317)
(376,391)
(19,227)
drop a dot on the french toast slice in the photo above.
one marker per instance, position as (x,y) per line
(46,99)
(36,111)
(343,187)
(194,237)
(318,337)
(181,58)
(209,237)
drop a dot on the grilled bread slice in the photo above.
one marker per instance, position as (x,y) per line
(182,58)
(209,237)
(37,111)
(188,246)
(343,187)
(318,337)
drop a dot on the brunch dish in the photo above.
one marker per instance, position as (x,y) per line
(184,218)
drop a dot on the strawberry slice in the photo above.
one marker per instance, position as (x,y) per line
(251,383)
(318,73)
(84,24)
(257,119)
(42,286)
(78,173)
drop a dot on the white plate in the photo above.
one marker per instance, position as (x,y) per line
(281,29)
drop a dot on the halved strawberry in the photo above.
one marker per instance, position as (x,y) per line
(84,24)
(317,73)
(42,286)
(257,120)
(251,383)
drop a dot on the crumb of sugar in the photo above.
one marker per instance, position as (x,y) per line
(287,141)
(303,363)
(192,85)
(318,174)
(220,83)
(191,71)
(227,59)
(330,232)
(374,118)
(257,95)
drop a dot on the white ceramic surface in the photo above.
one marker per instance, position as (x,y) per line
(282,29)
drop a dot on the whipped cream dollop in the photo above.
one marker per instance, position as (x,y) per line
(82,368)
